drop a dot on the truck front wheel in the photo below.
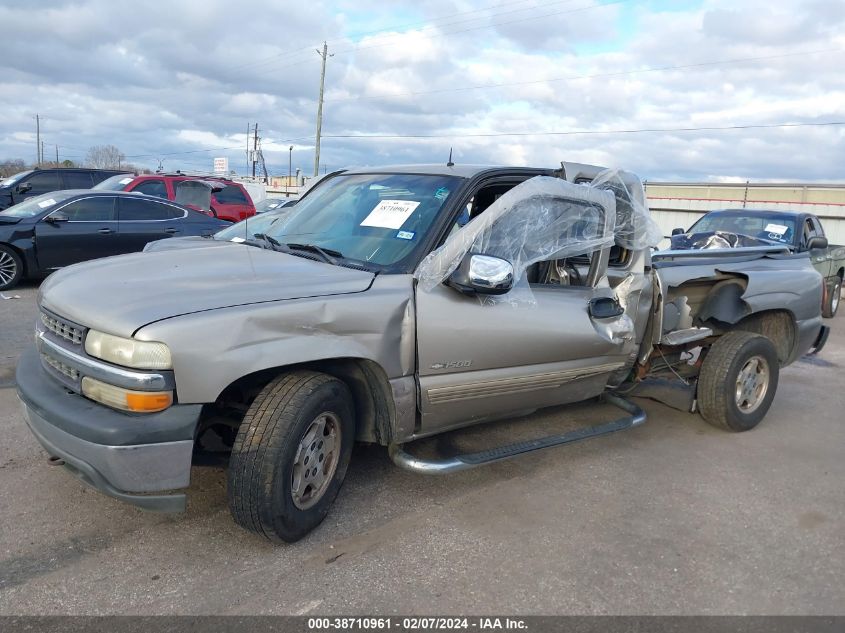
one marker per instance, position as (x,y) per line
(738,381)
(290,455)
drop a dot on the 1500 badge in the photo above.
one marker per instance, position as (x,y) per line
(452,364)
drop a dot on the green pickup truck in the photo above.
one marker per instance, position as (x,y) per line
(801,232)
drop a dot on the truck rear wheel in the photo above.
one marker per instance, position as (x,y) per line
(738,381)
(832,303)
(290,455)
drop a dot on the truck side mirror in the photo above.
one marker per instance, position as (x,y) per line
(678,231)
(482,274)
(24,187)
(817,241)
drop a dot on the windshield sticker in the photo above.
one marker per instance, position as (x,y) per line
(442,193)
(46,203)
(126,181)
(780,229)
(390,214)
(405,235)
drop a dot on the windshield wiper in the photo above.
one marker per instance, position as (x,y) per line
(272,241)
(327,254)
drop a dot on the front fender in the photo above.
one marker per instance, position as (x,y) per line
(213,349)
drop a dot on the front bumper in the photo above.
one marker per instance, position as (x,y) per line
(122,455)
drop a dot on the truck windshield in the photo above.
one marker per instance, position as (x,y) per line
(372,218)
(776,227)
(11,180)
(115,183)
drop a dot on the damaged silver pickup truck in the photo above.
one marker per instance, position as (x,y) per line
(393,304)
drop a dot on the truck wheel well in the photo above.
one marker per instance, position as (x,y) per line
(374,407)
(776,325)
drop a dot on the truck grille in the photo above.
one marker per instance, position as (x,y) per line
(63,329)
(60,367)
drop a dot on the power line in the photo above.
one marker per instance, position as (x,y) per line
(193,151)
(592,76)
(505,134)
(489,26)
(424,24)
(589,132)
(429,22)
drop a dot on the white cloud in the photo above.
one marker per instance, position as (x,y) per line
(194,76)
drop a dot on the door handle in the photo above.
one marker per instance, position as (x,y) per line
(605,308)
(104,231)
(171,231)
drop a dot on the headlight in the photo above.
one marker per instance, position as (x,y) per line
(128,352)
(125,399)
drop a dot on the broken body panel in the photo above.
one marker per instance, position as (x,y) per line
(588,307)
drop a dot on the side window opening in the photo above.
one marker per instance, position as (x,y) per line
(809,231)
(571,271)
(479,203)
(96,209)
(155,188)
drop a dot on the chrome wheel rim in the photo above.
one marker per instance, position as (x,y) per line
(316,460)
(834,300)
(8,268)
(752,384)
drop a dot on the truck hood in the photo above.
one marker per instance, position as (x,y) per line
(121,294)
(718,239)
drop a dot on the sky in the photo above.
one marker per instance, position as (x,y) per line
(619,83)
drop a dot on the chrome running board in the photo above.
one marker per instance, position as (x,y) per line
(466,461)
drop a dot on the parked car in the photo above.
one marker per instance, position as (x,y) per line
(231,203)
(35,182)
(61,228)
(371,314)
(801,232)
(271,204)
(249,229)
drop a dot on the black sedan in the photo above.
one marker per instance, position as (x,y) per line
(65,227)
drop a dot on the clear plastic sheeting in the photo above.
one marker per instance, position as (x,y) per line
(546,219)
(542,219)
(635,228)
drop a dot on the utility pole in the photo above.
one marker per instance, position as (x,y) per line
(248,126)
(323,55)
(57,155)
(254,150)
(37,140)
(290,171)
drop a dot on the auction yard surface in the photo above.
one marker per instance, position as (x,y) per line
(672,517)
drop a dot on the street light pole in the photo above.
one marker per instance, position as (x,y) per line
(290,171)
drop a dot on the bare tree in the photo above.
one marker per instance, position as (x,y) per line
(11,166)
(105,157)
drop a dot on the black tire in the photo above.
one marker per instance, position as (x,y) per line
(833,297)
(719,394)
(267,450)
(11,267)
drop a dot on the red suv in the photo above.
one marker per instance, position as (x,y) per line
(231,203)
